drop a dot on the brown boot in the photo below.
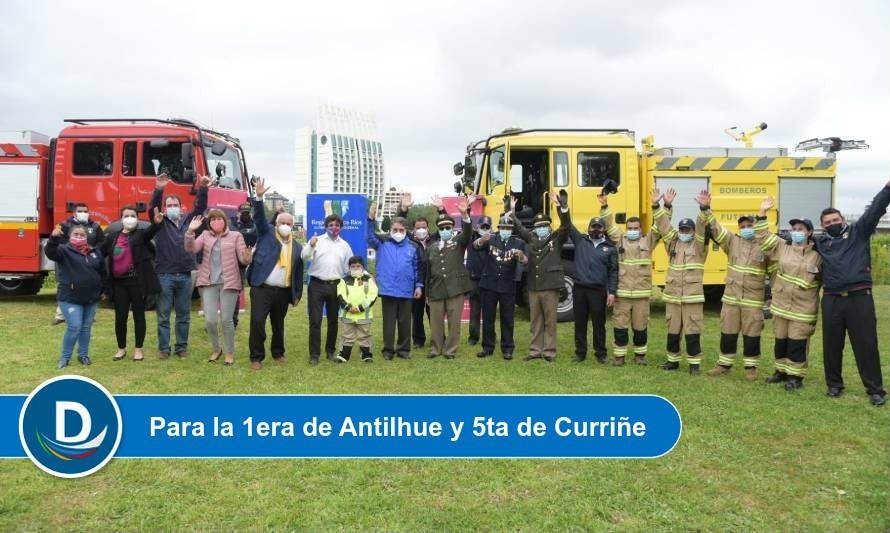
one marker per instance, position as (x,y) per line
(719,370)
(751,373)
(618,361)
(640,359)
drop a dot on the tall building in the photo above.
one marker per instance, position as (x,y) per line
(341,154)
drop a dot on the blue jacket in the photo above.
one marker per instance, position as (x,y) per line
(846,260)
(266,254)
(398,265)
(171,256)
(595,266)
(80,276)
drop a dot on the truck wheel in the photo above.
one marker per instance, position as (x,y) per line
(20,287)
(564,310)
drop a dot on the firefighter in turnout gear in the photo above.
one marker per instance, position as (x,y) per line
(635,274)
(684,295)
(795,303)
(742,310)
(545,278)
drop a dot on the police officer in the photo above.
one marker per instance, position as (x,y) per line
(847,301)
(502,268)
(596,282)
(475,263)
(635,274)
(545,279)
(447,281)
(743,294)
(684,295)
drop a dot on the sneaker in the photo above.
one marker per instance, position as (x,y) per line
(340,359)
(163,355)
(256,365)
(57,321)
(508,356)
(62,363)
(367,359)
(85,360)
(719,370)
(877,399)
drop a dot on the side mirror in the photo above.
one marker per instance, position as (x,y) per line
(188,162)
(458,169)
(458,187)
(219,148)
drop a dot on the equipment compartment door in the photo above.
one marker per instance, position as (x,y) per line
(803,198)
(18,210)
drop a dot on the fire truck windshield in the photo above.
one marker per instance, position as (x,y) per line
(225,169)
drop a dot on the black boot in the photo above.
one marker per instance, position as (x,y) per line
(344,355)
(669,365)
(694,370)
(777,377)
(367,356)
(793,383)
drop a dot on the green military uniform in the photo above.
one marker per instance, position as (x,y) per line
(447,281)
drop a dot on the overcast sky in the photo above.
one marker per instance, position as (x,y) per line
(438,75)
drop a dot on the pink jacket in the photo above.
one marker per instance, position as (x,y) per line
(232,249)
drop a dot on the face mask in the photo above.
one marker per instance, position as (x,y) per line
(218,225)
(79,244)
(595,233)
(632,234)
(398,237)
(333,232)
(129,222)
(542,233)
(445,234)
(82,217)
(284,230)
(798,237)
(421,233)
(686,237)
(835,230)
(173,213)
(356,273)
(505,234)
(484,232)
(245,217)
(747,233)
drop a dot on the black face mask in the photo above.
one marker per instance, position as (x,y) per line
(245,217)
(835,230)
(595,234)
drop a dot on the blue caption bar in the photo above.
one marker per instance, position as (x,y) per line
(395,426)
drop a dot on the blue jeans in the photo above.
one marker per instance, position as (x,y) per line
(79,319)
(176,293)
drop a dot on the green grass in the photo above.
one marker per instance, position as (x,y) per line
(752,457)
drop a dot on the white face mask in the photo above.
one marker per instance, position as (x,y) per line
(398,237)
(129,222)
(421,233)
(686,237)
(284,230)
(82,217)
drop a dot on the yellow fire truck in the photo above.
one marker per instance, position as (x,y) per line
(526,164)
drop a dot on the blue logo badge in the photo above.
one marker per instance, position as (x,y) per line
(70,426)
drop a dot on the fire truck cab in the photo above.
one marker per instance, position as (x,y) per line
(106,164)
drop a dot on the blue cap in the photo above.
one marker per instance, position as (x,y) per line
(687,223)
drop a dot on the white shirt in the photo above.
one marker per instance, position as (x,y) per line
(329,259)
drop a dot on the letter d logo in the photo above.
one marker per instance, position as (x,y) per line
(70,426)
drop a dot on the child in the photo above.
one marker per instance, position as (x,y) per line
(356,293)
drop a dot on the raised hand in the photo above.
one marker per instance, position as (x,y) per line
(703,198)
(163,180)
(260,187)
(656,196)
(603,199)
(204,181)
(768,203)
(463,207)
(669,195)
(196,223)
(372,211)
(407,202)
(57,231)
(157,217)
(436,200)
(513,204)
(313,241)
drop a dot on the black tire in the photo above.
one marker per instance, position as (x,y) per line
(565,308)
(20,287)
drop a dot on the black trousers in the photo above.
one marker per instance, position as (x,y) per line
(475,311)
(418,308)
(590,304)
(854,314)
(271,303)
(491,300)
(396,313)
(127,295)
(322,296)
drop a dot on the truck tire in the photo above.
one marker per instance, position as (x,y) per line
(20,287)
(564,310)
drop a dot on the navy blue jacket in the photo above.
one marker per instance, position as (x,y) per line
(80,276)
(595,266)
(95,237)
(398,265)
(267,252)
(475,259)
(171,256)
(500,273)
(846,260)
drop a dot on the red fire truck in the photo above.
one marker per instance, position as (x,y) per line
(106,164)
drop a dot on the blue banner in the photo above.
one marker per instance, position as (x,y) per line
(368,426)
(353,208)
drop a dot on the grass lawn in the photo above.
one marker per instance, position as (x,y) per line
(752,456)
